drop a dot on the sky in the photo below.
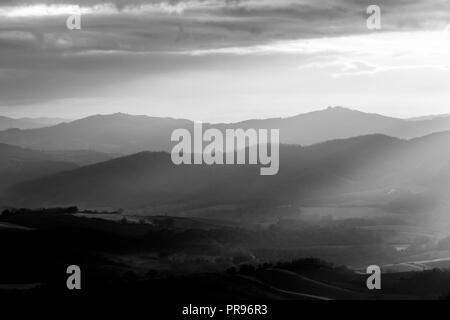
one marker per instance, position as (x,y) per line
(223,60)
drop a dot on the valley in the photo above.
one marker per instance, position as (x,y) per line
(138,223)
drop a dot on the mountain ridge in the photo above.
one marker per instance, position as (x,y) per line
(20,164)
(28,123)
(127,134)
(306,172)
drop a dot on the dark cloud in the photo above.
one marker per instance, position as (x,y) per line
(40,59)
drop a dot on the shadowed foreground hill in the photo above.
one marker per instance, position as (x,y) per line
(307,174)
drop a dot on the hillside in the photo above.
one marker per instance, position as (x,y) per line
(311,174)
(127,134)
(20,164)
(28,123)
(117,133)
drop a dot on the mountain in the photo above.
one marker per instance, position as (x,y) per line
(385,166)
(128,134)
(341,123)
(324,125)
(430,117)
(28,123)
(19,164)
(117,133)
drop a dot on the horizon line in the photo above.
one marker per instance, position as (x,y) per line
(336,107)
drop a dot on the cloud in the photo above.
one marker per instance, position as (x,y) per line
(122,40)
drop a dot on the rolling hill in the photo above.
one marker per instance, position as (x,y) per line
(20,164)
(117,133)
(375,163)
(128,134)
(28,123)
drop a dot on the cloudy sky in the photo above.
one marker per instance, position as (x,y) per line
(223,60)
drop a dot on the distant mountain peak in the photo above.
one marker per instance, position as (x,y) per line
(339,108)
(341,111)
(126,133)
